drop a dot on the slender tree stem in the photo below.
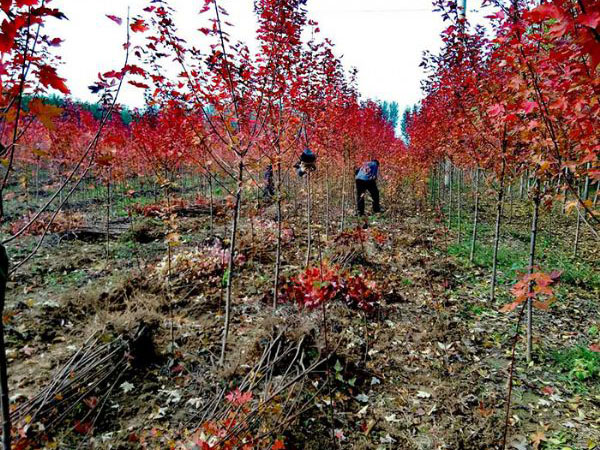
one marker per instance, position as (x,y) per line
(108,200)
(475,217)
(511,376)
(581,215)
(459,206)
(278,254)
(230,265)
(534,231)
(4,399)
(497,232)
(308,219)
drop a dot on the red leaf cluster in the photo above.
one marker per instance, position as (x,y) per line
(139,26)
(536,287)
(49,78)
(239,398)
(316,286)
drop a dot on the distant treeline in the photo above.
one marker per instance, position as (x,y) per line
(127,115)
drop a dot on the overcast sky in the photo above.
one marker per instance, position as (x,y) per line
(384,39)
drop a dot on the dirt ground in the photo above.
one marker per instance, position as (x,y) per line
(428,369)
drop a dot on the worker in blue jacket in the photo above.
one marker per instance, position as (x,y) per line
(366,181)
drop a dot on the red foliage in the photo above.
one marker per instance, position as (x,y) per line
(49,78)
(522,99)
(138,26)
(535,286)
(239,398)
(317,286)
(313,287)
(347,238)
(360,292)
(82,427)
(115,19)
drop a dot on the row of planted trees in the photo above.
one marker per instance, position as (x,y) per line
(515,102)
(218,112)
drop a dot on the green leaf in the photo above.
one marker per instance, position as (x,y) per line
(338,367)
(225,278)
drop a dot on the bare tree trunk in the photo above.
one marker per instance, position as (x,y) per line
(352,188)
(60,194)
(557,188)
(432,175)
(510,198)
(4,398)
(295,197)
(534,230)
(288,188)
(37,179)
(440,180)
(521,186)
(327,203)
(497,233)
(586,190)
(252,235)
(257,196)
(230,264)
(450,195)
(460,175)
(342,224)
(108,215)
(475,217)
(169,297)
(212,204)
(308,219)
(278,251)
(577,230)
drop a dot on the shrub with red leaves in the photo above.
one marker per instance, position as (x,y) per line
(312,288)
(361,293)
(316,286)
(535,286)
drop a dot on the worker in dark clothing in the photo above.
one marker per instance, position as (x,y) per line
(366,180)
(307,162)
(269,187)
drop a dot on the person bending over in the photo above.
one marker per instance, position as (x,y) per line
(366,181)
(307,163)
